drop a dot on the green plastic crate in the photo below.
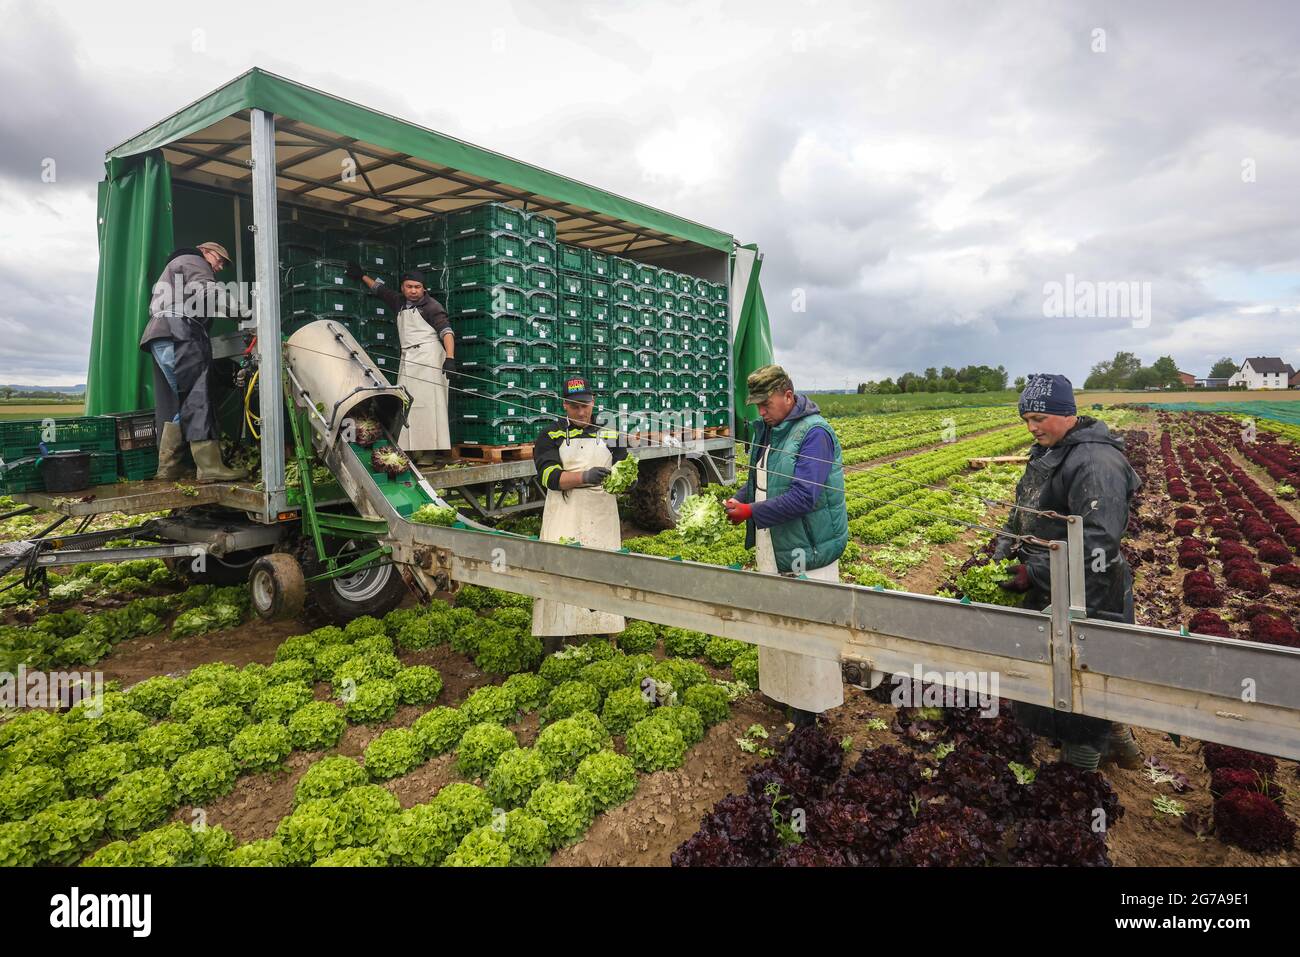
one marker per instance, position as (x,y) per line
(331,301)
(543,304)
(426,256)
(500,431)
(597,289)
(318,273)
(720,329)
(20,439)
(647,380)
(597,356)
(666,381)
(539,252)
(486,217)
(623,358)
(598,310)
(137,465)
(542,329)
(704,308)
(492,379)
(598,334)
(647,275)
(665,300)
(546,405)
(572,258)
(540,226)
(372,307)
(377,332)
(475,328)
(573,307)
(683,284)
(647,339)
(465,247)
(687,362)
(573,357)
(623,314)
(666,321)
(599,378)
(645,359)
(666,341)
(292,255)
(718,292)
(624,335)
(718,312)
(622,270)
(598,264)
(486,301)
(429,229)
(571,283)
(572,330)
(647,297)
(647,319)
(625,401)
(625,293)
(388,364)
(667,281)
(481,353)
(625,378)
(700,288)
(28,478)
(486,407)
(685,324)
(487,272)
(718,348)
(686,342)
(541,277)
(543,379)
(299,234)
(669,401)
(668,362)
(372,255)
(543,353)
(686,381)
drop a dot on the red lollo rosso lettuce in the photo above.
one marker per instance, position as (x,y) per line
(1208,623)
(1222,756)
(975,779)
(1059,842)
(1060,790)
(1251,821)
(1224,780)
(950,836)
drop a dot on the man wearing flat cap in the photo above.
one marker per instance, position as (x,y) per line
(796,520)
(428,358)
(1076,467)
(184,301)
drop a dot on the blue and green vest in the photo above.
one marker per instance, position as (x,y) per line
(820,535)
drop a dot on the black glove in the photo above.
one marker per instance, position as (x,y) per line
(354,272)
(595,476)
(449,365)
(1019,580)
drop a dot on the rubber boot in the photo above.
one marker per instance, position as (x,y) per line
(171,453)
(1122,748)
(207,456)
(551,644)
(1083,756)
(803,719)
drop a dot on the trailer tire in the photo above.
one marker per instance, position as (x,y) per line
(278,588)
(661,488)
(375,590)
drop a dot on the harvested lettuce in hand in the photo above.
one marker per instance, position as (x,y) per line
(434,515)
(622,477)
(701,520)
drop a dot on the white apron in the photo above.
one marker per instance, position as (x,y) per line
(589,515)
(810,684)
(421,372)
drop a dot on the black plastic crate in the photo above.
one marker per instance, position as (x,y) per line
(135,430)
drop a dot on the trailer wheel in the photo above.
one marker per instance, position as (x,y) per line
(661,488)
(278,588)
(374,590)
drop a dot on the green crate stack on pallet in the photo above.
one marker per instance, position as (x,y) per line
(21,441)
(503,301)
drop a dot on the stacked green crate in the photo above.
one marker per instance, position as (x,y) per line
(318,289)
(21,441)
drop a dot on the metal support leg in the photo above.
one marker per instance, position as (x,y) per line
(266,248)
(1078,587)
(1062,686)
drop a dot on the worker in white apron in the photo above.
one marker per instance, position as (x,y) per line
(428,358)
(796,520)
(573,457)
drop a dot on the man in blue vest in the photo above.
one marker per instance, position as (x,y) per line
(793,507)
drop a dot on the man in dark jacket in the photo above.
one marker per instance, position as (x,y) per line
(186,298)
(1076,467)
(796,519)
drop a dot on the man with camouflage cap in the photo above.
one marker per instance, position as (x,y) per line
(795,515)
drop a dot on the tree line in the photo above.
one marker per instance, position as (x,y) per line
(947,379)
(1126,371)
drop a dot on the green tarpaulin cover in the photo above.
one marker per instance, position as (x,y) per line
(752,346)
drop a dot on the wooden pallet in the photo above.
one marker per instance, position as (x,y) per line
(493,453)
(998,460)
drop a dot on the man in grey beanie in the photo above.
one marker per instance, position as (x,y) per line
(1076,467)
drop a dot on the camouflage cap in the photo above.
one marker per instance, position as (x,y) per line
(763,382)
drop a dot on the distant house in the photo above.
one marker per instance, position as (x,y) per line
(1295,379)
(1187,379)
(1262,372)
(1211,383)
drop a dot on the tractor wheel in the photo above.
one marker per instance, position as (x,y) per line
(278,588)
(661,487)
(374,590)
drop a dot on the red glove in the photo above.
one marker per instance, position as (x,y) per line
(1019,580)
(738,512)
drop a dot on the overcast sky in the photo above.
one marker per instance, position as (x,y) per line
(916,173)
